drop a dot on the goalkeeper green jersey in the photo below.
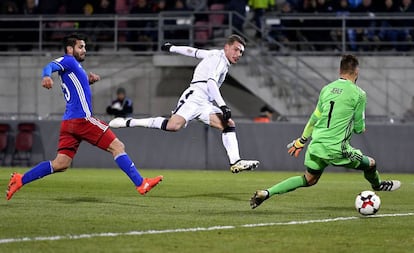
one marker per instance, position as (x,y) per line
(340,112)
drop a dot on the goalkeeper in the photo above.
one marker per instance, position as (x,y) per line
(338,114)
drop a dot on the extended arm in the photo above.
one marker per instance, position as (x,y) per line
(185,50)
(297,145)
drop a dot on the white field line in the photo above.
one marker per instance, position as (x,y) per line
(183,230)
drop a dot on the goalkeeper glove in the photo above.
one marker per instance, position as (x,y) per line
(296,146)
(166,47)
(226,112)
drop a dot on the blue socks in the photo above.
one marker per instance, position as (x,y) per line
(45,168)
(125,163)
(37,172)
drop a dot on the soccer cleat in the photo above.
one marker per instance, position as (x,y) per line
(148,184)
(15,184)
(242,165)
(258,198)
(119,122)
(388,185)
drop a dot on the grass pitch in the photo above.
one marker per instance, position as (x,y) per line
(98,210)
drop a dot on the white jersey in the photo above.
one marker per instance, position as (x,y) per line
(214,65)
(196,101)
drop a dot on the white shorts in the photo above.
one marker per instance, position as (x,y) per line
(194,104)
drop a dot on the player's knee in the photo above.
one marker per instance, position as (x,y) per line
(231,123)
(59,165)
(116,147)
(311,179)
(367,164)
(172,125)
(372,163)
(311,182)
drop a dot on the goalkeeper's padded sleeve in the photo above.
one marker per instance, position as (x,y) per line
(359,116)
(214,92)
(190,51)
(307,132)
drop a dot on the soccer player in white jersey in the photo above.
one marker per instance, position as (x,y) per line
(196,102)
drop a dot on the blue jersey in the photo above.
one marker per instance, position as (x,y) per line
(75,86)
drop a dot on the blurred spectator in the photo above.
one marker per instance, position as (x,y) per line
(354,3)
(295,4)
(407,7)
(398,32)
(389,31)
(260,7)
(76,6)
(342,8)
(121,106)
(265,116)
(10,36)
(174,33)
(30,8)
(319,39)
(105,28)
(364,30)
(287,31)
(238,6)
(140,34)
(30,34)
(50,6)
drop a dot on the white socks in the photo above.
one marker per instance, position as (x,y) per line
(231,145)
(147,122)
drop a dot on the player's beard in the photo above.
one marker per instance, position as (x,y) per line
(79,58)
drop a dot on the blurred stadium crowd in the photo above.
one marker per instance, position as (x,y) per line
(397,33)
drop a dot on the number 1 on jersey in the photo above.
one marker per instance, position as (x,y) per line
(332,103)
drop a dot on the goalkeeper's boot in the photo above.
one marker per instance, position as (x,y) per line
(258,198)
(242,165)
(148,184)
(388,185)
(15,184)
(119,122)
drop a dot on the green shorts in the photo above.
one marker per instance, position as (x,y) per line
(353,160)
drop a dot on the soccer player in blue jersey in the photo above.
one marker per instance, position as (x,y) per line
(78,122)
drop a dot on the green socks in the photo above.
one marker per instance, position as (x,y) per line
(287,185)
(372,176)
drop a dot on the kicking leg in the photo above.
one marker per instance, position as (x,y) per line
(287,185)
(175,123)
(371,174)
(45,168)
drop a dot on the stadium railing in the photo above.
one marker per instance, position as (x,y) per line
(144,34)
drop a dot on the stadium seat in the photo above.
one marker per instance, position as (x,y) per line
(4,142)
(23,144)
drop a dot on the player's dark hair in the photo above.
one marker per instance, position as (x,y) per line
(349,64)
(71,39)
(233,38)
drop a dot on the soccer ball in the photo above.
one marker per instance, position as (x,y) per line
(367,203)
